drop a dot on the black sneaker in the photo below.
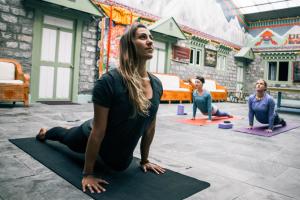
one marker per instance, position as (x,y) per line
(283,123)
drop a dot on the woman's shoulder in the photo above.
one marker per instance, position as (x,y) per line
(252,96)
(206,93)
(155,79)
(109,76)
(270,98)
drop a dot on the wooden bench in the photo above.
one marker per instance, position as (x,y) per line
(285,108)
(174,89)
(217,92)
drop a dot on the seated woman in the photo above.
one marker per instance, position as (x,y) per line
(202,101)
(126,101)
(262,106)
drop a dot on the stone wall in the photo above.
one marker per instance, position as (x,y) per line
(16,32)
(225,77)
(255,71)
(16,36)
(88,70)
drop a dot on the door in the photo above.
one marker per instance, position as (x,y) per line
(56,61)
(240,84)
(157,63)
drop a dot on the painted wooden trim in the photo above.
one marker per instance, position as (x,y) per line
(36,54)
(76,61)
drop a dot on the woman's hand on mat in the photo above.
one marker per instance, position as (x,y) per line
(93,184)
(193,118)
(153,167)
(269,130)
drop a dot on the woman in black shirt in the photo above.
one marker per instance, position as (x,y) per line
(126,101)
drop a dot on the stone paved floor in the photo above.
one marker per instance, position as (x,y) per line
(238,166)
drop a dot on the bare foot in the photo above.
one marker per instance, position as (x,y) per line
(230,116)
(41,135)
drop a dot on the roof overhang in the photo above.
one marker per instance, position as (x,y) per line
(169,27)
(245,53)
(86,6)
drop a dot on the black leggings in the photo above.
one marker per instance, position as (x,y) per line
(76,140)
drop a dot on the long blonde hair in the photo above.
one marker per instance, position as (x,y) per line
(129,66)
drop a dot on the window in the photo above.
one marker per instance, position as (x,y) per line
(278,71)
(192,56)
(196,56)
(272,71)
(296,71)
(221,63)
(283,71)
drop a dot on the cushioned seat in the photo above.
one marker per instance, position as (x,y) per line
(14,84)
(217,92)
(174,89)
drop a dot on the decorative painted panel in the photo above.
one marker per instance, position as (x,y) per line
(181,54)
(275,37)
(210,58)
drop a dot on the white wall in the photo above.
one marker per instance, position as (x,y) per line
(203,15)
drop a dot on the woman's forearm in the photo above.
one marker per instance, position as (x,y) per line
(146,142)
(92,150)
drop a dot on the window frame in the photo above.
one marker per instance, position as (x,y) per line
(290,75)
(224,62)
(201,58)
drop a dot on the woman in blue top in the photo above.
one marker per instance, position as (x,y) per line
(262,106)
(202,101)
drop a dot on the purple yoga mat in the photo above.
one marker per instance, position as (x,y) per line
(261,130)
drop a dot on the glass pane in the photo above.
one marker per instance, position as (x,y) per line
(272,71)
(63,82)
(198,58)
(161,61)
(58,22)
(65,47)
(48,44)
(153,61)
(296,71)
(46,82)
(283,71)
(192,56)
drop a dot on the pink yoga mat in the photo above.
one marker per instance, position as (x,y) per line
(204,121)
(261,130)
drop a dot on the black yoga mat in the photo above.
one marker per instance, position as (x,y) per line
(130,184)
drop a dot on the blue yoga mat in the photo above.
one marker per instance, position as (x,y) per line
(131,184)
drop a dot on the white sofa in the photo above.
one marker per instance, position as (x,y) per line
(174,89)
(218,92)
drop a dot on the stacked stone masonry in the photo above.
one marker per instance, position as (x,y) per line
(16,32)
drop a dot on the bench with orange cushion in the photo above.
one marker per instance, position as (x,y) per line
(174,89)
(217,92)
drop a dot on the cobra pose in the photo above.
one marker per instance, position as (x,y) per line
(262,106)
(202,101)
(125,101)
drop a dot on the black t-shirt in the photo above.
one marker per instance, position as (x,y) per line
(123,130)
